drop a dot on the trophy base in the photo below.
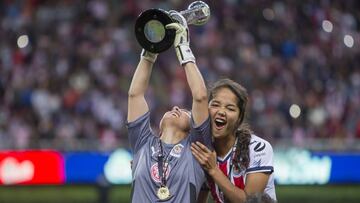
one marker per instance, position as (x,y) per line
(151,33)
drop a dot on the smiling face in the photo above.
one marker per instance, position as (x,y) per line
(178,118)
(224,112)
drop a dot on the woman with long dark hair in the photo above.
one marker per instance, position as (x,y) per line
(242,163)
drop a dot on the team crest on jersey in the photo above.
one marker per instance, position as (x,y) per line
(176,150)
(154,171)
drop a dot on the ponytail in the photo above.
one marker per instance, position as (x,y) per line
(242,159)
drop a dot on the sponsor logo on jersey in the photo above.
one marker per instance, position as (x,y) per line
(154,151)
(259,147)
(257,163)
(260,154)
(154,171)
(176,150)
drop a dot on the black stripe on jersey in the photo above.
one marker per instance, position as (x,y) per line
(192,193)
(261,169)
(132,190)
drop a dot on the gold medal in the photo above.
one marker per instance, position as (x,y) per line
(163,193)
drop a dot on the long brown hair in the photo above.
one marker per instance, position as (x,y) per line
(243,132)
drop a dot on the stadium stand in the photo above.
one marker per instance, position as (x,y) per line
(65,69)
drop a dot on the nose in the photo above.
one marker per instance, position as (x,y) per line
(176,108)
(221,113)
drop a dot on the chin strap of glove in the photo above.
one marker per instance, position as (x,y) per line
(148,56)
(182,40)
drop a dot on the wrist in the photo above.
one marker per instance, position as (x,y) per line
(151,57)
(213,172)
(184,54)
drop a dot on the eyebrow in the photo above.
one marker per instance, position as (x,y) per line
(214,101)
(218,102)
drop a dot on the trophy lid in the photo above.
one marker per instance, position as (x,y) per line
(151,33)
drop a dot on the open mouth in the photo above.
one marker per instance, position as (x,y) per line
(219,123)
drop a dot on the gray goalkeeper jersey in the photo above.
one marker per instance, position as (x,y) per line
(183,173)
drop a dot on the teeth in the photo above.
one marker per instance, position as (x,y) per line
(219,120)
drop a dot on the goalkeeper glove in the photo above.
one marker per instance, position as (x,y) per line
(182,40)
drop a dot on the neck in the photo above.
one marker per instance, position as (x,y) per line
(172,136)
(223,145)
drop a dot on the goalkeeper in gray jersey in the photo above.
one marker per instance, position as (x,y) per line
(164,170)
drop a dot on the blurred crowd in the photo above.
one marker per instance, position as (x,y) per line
(66,66)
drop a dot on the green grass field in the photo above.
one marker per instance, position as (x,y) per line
(120,194)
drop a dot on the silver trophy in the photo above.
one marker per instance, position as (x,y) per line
(197,13)
(150,28)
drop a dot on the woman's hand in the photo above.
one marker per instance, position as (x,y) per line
(205,157)
(207,160)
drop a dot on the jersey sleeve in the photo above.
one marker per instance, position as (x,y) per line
(139,131)
(201,133)
(261,157)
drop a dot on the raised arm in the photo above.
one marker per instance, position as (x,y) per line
(198,90)
(194,78)
(137,104)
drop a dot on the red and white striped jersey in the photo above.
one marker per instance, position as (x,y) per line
(261,161)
